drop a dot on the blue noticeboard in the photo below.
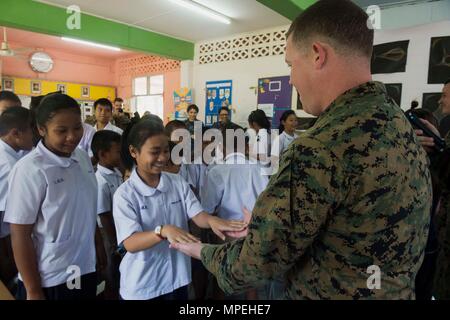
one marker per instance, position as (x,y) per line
(218,95)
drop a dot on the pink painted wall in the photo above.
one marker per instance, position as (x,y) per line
(67,67)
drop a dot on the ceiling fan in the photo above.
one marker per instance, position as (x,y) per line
(6,51)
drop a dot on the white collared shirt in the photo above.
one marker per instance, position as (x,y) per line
(261,146)
(282,142)
(86,140)
(8,158)
(108,181)
(59,197)
(194,174)
(233,185)
(111,127)
(138,207)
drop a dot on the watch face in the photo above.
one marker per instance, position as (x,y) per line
(41,62)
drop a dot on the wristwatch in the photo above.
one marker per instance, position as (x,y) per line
(158,230)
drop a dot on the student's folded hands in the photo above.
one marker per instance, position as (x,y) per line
(177,235)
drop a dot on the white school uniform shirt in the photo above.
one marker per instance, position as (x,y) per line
(8,158)
(282,142)
(262,145)
(194,174)
(111,127)
(108,181)
(136,208)
(233,185)
(59,196)
(86,140)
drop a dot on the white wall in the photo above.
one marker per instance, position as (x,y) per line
(415,77)
(245,74)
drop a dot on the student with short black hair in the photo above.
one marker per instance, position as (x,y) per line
(151,210)
(192,112)
(260,145)
(106,146)
(8,99)
(15,136)
(103,110)
(53,228)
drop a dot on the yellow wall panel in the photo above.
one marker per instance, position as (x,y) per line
(23,87)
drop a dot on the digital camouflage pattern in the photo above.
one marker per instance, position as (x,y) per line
(441,287)
(351,192)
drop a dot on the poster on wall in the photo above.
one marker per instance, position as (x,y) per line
(35,87)
(182,99)
(218,95)
(274,97)
(390,57)
(8,85)
(430,102)
(61,88)
(439,65)
(394,90)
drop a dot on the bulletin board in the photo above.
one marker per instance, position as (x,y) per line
(274,97)
(218,94)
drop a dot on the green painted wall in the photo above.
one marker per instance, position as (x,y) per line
(288,8)
(38,17)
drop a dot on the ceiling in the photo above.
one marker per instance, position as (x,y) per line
(166,17)
(25,39)
(383,3)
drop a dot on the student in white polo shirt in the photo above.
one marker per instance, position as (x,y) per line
(103,115)
(106,147)
(86,140)
(286,133)
(16,135)
(231,186)
(151,210)
(51,209)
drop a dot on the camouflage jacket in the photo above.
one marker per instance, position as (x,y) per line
(351,192)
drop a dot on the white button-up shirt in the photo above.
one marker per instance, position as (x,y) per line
(8,158)
(86,140)
(108,182)
(138,207)
(233,185)
(111,127)
(58,196)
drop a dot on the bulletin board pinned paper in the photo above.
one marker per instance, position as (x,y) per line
(274,97)
(182,99)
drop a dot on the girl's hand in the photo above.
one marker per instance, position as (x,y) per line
(243,233)
(218,225)
(193,250)
(177,235)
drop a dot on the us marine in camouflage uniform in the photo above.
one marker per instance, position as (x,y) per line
(352,192)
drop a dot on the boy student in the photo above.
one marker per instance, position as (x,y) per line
(103,109)
(7,100)
(106,146)
(233,185)
(15,135)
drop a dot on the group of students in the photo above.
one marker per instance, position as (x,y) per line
(79,201)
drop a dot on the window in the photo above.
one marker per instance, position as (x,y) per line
(148,95)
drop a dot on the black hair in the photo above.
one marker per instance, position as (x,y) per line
(144,130)
(52,104)
(284,117)
(171,126)
(118,100)
(35,101)
(103,140)
(259,117)
(224,108)
(10,96)
(192,106)
(414,104)
(15,118)
(447,81)
(104,102)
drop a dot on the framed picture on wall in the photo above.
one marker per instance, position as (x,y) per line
(85,92)
(8,84)
(35,87)
(61,88)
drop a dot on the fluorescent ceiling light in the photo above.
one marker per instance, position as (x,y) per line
(191,5)
(92,44)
